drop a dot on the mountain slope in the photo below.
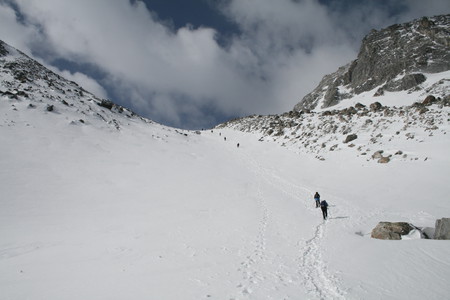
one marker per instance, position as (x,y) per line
(384,105)
(27,83)
(118,207)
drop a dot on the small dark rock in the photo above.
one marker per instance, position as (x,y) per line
(376,106)
(359,106)
(106,104)
(378,154)
(384,160)
(350,138)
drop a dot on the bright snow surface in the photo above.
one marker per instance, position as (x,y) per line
(90,212)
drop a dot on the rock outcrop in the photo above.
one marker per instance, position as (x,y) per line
(391,230)
(442,231)
(367,131)
(24,79)
(392,59)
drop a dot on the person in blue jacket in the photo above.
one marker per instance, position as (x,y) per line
(317,198)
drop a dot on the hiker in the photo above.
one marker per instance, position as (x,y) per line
(238,145)
(317,198)
(225,138)
(324,208)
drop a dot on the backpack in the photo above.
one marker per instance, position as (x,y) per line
(323,203)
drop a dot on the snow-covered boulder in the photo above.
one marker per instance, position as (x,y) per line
(391,230)
(442,231)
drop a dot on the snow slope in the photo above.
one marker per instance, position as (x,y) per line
(147,212)
(98,203)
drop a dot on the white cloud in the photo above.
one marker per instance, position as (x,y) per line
(86,82)
(14,33)
(284,49)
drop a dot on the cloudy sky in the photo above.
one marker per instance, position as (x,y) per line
(195,63)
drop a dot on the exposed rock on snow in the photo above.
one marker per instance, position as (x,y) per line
(442,231)
(371,127)
(429,100)
(391,230)
(378,154)
(392,59)
(384,160)
(24,79)
(405,66)
(376,106)
(350,137)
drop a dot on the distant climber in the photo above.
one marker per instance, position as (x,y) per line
(238,145)
(324,208)
(317,199)
(225,138)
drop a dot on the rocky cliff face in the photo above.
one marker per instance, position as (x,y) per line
(397,58)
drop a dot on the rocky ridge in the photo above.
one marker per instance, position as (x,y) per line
(398,58)
(24,80)
(398,97)
(27,86)
(373,133)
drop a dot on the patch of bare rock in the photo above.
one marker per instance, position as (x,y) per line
(395,230)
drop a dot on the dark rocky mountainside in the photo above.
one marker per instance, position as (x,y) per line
(396,58)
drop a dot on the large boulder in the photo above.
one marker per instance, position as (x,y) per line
(391,230)
(429,100)
(442,231)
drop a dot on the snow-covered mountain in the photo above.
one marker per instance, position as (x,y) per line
(25,82)
(402,57)
(382,105)
(99,203)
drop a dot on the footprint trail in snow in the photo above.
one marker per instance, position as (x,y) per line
(311,272)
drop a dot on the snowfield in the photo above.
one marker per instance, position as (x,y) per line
(150,212)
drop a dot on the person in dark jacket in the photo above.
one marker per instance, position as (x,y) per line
(317,198)
(324,208)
